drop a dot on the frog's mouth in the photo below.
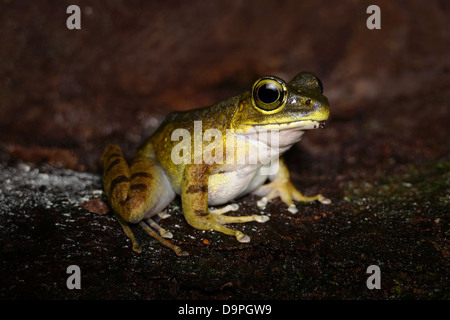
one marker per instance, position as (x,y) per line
(295,125)
(286,133)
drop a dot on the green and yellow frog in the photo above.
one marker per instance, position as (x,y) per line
(241,127)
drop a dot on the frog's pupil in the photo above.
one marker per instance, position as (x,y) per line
(268,93)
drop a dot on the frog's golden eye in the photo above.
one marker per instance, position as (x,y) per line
(269,94)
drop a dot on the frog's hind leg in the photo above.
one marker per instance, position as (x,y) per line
(194,197)
(126,228)
(161,238)
(136,192)
(163,232)
(178,251)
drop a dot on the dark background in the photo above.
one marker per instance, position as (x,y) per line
(383,159)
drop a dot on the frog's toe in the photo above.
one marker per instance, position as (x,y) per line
(300,197)
(178,251)
(292,209)
(182,253)
(164,214)
(324,200)
(136,247)
(241,219)
(163,232)
(287,192)
(262,202)
(227,208)
(242,238)
(167,234)
(262,218)
(218,222)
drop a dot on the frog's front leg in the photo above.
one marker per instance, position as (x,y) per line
(281,186)
(137,192)
(194,197)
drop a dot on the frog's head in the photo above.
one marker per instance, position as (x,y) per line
(273,104)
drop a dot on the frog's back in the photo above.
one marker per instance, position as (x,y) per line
(216,116)
(160,145)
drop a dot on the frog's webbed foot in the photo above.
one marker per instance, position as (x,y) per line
(227,208)
(215,220)
(287,192)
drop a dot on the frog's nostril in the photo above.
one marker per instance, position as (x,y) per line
(323,124)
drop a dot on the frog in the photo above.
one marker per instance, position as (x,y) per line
(141,190)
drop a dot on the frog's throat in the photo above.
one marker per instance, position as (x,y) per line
(297,125)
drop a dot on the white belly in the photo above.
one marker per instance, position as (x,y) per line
(226,186)
(240,178)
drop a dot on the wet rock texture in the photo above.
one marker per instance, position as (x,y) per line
(383,159)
